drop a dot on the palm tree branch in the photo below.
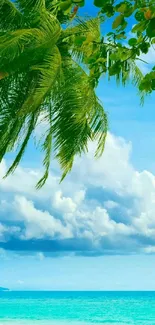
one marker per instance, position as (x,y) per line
(30,5)
(48,72)
(30,127)
(47,148)
(10,17)
(77,119)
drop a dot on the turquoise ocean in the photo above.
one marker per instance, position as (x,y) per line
(77,308)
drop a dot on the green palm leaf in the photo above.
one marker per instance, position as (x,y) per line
(30,5)
(10,17)
(47,72)
(14,91)
(14,43)
(74,121)
(47,148)
(39,76)
(31,123)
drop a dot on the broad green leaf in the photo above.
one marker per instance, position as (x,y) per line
(121,36)
(146,85)
(153,84)
(139,16)
(144,47)
(123,25)
(118,21)
(99,3)
(132,41)
(108,9)
(121,7)
(65,5)
(81,3)
(128,12)
(80,39)
(150,31)
(114,56)
(140,27)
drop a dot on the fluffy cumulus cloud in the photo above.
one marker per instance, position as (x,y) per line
(104,206)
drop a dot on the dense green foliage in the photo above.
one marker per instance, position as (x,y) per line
(41,75)
(132,33)
(129,41)
(51,62)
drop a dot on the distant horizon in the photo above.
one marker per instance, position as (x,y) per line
(31,290)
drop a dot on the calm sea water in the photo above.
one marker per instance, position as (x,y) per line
(53,308)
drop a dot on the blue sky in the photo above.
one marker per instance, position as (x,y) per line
(95,231)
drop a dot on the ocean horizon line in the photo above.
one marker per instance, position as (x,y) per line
(51,290)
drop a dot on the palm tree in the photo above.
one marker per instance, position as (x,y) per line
(46,69)
(40,75)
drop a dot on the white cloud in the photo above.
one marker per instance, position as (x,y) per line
(4,230)
(149,249)
(113,170)
(63,204)
(69,212)
(99,223)
(110,204)
(79,196)
(39,224)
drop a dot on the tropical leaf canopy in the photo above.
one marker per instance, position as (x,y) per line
(50,64)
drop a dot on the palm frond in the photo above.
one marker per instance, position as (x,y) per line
(30,5)
(47,148)
(48,73)
(89,31)
(75,122)
(24,116)
(26,47)
(10,17)
(99,126)
(12,44)
(14,92)
(137,74)
(137,77)
(31,123)
(50,25)
(43,78)
(82,26)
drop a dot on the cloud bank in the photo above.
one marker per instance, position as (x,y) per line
(104,207)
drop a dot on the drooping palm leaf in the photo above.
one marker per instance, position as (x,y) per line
(11,124)
(30,5)
(30,125)
(73,124)
(10,17)
(47,70)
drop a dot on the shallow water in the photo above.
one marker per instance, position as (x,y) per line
(61,308)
